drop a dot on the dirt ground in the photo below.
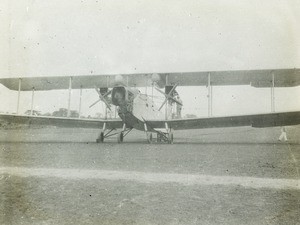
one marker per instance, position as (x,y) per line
(233,152)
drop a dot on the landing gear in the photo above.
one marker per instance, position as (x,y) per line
(149,138)
(170,138)
(148,134)
(165,137)
(120,134)
(168,134)
(120,137)
(162,136)
(159,137)
(100,139)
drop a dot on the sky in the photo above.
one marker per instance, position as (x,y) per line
(81,37)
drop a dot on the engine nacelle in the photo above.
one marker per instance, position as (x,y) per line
(123,95)
(158,80)
(119,80)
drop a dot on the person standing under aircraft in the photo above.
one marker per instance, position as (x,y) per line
(283,136)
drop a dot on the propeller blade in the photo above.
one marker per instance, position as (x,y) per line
(107,104)
(179,103)
(168,96)
(173,89)
(161,91)
(95,103)
(102,98)
(97,90)
(107,93)
(163,104)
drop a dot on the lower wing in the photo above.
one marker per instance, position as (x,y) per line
(257,120)
(60,121)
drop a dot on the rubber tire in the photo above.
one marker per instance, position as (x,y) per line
(100,139)
(120,137)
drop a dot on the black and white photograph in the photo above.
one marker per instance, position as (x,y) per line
(146,112)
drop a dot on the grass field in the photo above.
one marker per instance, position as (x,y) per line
(133,182)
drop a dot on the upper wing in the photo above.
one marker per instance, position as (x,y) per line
(60,122)
(256,78)
(258,120)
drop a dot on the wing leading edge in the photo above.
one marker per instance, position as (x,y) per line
(255,78)
(258,120)
(60,122)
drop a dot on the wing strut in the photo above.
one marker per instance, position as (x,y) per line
(32,101)
(273,94)
(19,94)
(70,94)
(80,98)
(209,95)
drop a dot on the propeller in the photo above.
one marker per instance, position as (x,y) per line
(102,98)
(168,96)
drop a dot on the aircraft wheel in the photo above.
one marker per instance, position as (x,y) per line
(158,138)
(100,139)
(120,137)
(170,138)
(149,138)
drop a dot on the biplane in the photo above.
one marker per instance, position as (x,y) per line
(140,111)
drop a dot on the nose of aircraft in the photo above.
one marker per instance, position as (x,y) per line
(118,96)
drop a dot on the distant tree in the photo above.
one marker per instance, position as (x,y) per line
(98,115)
(74,114)
(47,114)
(34,112)
(190,116)
(62,112)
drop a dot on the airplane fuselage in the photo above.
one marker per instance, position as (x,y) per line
(134,108)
